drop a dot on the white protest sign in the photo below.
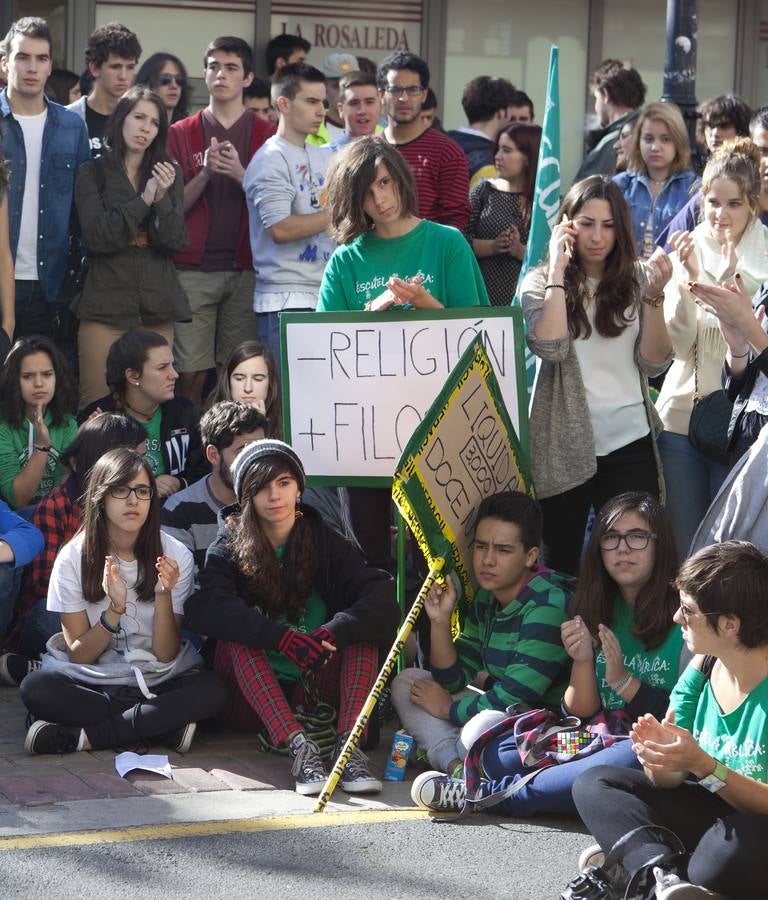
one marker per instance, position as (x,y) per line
(356,385)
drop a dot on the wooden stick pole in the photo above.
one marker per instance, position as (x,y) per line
(381,682)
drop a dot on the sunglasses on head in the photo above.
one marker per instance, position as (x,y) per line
(166,79)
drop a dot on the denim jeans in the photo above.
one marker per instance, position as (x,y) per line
(268,326)
(550,792)
(10,582)
(39,625)
(692,482)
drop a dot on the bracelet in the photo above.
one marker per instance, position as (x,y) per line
(106,626)
(620,685)
(739,355)
(548,286)
(42,448)
(655,302)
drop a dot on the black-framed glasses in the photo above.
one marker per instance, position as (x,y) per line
(123,492)
(690,614)
(413,90)
(635,540)
(165,79)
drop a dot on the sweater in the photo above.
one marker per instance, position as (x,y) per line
(131,278)
(22,537)
(179,435)
(186,145)
(360,599)
(562,443)
(695,334)
(478,148)
(442,182)
(518,645)
(601,159)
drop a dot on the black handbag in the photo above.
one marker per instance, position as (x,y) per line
(710,418)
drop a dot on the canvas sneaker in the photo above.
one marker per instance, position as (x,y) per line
(356,777)
(669,886)
(438,791)
(308,766)
(14,668)
(181,739)
(47,737)
(592,856)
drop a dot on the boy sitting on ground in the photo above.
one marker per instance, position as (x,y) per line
(509,646)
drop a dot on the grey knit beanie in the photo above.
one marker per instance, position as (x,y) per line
(251,453)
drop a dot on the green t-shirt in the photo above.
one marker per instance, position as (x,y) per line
(659,667)
(739,739)
(314,615)
(15,450)
(358,272)
(154,444)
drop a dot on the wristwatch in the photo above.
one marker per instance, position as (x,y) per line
(715,781)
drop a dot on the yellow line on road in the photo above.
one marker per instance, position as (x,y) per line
(200,829)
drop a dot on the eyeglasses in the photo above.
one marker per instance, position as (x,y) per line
(689,614)
(166,79)
(635,540)
(123,492)
(413,90)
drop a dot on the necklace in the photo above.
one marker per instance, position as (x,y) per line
(654,181)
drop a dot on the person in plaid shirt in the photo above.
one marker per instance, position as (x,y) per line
(57,515)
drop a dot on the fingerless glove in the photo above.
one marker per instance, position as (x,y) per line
(302,649)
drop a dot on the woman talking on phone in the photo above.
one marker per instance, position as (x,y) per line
(595,318)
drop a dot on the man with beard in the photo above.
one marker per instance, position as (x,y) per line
(191,515)
(438,163)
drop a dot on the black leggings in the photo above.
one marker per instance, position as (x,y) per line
(120,715)
(630,468)
(728,848)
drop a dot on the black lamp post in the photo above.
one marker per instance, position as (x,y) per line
(680,59)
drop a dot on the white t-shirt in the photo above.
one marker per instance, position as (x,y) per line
(65,591)
(32,128)
(612,384)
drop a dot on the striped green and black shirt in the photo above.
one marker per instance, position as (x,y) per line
(518,645)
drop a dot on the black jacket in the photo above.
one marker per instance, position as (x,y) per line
(179,434)
(360,600)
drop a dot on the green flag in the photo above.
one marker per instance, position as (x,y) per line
(546,198)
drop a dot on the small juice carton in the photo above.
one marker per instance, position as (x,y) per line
(399,752)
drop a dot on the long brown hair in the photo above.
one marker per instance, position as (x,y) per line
(618,287)
(527,139)
(281,586)
(223,391)
(130,351)
(351,175)
(12,407)
(116,468)
(658,600)
(157,151)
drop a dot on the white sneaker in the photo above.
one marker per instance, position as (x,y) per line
(592,856)
(438,791)
(671,887)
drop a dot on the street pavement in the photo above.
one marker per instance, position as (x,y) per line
(230,815)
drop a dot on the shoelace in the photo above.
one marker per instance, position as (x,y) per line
(33,665)
(451,794)
(308,763)
(357,766)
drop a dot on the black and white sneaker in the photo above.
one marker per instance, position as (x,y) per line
(308,766)
(356,777)
(14,668)
(181,739)
(438,791)
(47,737)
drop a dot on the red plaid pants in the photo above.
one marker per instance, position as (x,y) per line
(260,701)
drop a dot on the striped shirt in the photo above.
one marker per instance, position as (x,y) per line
(442,180)
(518,645)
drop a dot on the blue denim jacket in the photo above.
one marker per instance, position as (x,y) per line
(65,148)
(676,193)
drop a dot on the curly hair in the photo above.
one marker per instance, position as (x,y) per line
(12,407)
(352,173)
(739,161)
(281,585)
(149,74)
(658,599)
(614,308)
(118,467)
(111,38)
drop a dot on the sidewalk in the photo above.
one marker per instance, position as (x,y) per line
(222,777)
